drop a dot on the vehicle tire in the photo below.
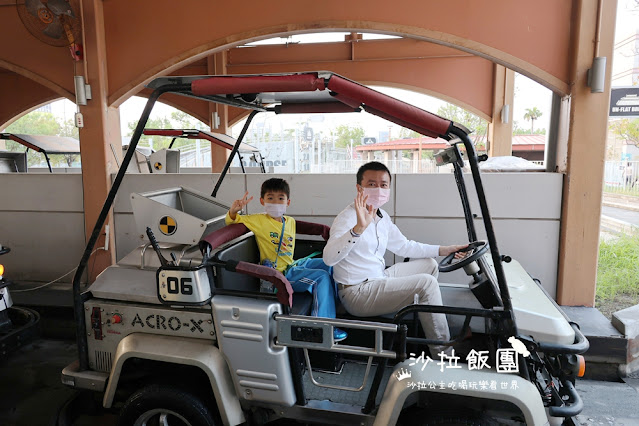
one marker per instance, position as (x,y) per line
(161,405)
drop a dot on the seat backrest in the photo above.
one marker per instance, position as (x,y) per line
(304,248)
(244,249)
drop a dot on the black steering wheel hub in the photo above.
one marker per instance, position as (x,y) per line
(475,250)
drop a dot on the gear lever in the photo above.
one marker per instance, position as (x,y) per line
(156,247)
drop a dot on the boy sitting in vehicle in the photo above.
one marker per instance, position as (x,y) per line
(275,236)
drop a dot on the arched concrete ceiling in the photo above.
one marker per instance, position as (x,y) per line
(22,53)
(463,79)
(456,77)
(21,95)
(147,38)
(532,38)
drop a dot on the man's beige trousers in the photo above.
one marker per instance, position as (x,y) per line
(398,289)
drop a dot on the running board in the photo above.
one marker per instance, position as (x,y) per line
(299,331)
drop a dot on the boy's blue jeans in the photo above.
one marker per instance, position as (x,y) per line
(314,276)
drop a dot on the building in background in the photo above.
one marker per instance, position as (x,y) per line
(625,73)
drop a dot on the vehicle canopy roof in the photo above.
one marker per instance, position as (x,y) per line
(220,139)
(44,143)
(307,92)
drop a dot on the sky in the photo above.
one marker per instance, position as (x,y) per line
(528,94)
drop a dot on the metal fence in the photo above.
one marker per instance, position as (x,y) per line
(395,166)
(333,162)
(622,177)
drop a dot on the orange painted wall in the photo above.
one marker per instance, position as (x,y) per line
(20,94)
(22,53)
(447,73)
(443,72)
(145,37)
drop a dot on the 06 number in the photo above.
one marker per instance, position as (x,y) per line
(176,286)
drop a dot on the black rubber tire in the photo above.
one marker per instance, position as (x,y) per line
(171,400)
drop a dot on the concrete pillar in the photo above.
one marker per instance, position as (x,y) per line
(370,156)
(584,157)
(217,65)
(101,130)
(500,133)
(415,155)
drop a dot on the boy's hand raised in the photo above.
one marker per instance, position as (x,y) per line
(239,205)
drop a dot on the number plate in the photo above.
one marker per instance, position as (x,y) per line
(187,287)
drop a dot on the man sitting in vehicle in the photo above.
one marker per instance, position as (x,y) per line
(275,236)
(360,235)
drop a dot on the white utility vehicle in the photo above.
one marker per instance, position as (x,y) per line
(178,333)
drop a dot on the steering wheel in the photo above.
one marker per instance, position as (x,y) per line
(476,249)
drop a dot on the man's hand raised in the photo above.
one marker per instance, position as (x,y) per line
(239,205)
(365,213)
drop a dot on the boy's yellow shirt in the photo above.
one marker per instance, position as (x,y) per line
(267,234)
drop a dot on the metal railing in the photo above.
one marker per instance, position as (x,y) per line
(621,177)
(395,166)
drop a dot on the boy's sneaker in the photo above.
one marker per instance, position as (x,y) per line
(339,335)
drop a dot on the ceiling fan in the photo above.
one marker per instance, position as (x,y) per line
(54,22)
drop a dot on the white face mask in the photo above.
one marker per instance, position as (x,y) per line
(275,210)
(377,197)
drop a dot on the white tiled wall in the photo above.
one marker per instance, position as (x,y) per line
(525,208)
(42,219)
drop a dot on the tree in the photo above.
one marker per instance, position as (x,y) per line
(158,142)
(521,131)
(405,133)
(627,129)
(36,123)
(67,128)
(183,120)
(177,120)
(532,114)
(344,134)
(467,119)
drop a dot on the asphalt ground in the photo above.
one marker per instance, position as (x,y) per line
(629,216)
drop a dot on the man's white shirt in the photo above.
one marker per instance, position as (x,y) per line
(357,259)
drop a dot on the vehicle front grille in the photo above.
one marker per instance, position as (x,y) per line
(103,361)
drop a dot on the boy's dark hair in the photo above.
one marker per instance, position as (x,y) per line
(275,185)
(373,165)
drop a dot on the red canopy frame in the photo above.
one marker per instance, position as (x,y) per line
(352,95)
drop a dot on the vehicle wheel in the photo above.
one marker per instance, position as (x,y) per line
(161,405)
